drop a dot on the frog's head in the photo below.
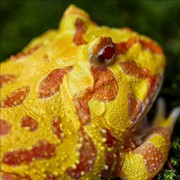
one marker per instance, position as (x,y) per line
(117,72)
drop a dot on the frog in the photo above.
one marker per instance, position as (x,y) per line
(74,105)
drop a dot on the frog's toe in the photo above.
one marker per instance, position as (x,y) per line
(160,120)
(160,109)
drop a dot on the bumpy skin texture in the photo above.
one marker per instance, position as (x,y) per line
(67,114)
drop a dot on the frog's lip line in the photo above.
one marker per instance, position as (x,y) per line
(149,102)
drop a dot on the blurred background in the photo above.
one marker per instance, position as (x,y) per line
(20,21)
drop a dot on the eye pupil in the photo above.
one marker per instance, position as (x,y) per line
(108,53)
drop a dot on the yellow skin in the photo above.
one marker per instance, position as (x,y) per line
(68,113)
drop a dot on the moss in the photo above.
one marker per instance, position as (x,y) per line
(23,20)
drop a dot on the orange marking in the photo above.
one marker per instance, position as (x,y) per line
(134,107)
(87,158)
(5,127)
(107,92)
(105,88)
(123,47)
(82,108)
(80,31)
(15,98)
(12,176)
(50,85)
(153,158)
(6,79)
(151,46)
(56,128)
(29,122)
(42,150)
(24,54)
(132,69)
(154,82)
(147,44)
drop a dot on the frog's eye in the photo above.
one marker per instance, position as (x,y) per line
(106,54)
(102,52)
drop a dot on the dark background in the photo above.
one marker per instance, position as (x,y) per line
(22,20)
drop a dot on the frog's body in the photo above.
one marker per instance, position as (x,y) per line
(73,100)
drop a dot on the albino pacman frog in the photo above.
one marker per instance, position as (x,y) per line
(74,105)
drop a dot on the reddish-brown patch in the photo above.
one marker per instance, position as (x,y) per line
(151,46)
(105,85)
(41,150)
(147,44)
(10,176)
(6,79)
(132,69)
(50,85)
(57,128)
(153,158)
(80,31)
(88,153)
(107,92)
(105,88)
(154,82)
(111,141)
(29,122)
(24,54)
(82,108)
(130,142)
(108,172)
(123,47)
(134,107)
(15,98)
(5,127)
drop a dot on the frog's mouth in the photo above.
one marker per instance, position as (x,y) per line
(146,106)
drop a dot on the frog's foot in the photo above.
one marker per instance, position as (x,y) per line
(146,160)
